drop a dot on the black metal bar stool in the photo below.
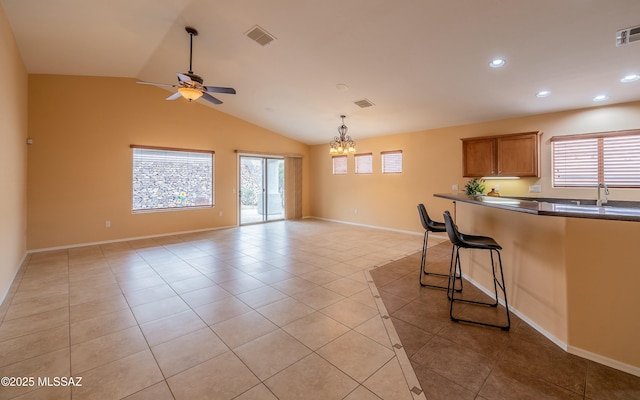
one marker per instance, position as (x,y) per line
(463,241)
(430,225)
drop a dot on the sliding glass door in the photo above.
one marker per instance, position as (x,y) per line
(261,189)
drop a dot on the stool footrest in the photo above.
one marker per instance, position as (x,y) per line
(503,327)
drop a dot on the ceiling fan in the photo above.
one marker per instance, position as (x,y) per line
(189,84)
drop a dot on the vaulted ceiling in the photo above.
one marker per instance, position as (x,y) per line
(422,63)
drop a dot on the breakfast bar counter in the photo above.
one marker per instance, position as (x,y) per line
(614,210)
(571,270)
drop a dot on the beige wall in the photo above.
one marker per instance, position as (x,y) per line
(80,160)
(433,163)
(13,156)
(603,271)
(533,257)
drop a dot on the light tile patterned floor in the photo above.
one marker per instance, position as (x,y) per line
(283,310)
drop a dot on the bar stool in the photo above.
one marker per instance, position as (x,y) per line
(464,241)
(430,225)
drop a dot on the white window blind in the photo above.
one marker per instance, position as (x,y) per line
(391,162)
(339,165)
(364,163)
(621,161)
(585,160)
(171,178)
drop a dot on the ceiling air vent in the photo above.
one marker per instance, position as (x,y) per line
(259,35)
(628,35)
(364,103)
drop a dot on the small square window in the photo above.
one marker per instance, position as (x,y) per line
(364,163)
(391,162)
(339,165)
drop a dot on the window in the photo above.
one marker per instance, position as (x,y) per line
(171,178)
(585,160)
(364,163)
(391,162)
(339,165)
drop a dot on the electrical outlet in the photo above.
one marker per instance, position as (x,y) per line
(355,210)
(454,187)
(535,189)
(220,214)
(107,224)
(496,188)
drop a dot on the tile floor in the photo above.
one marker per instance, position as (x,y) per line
(464,361)
(283,310)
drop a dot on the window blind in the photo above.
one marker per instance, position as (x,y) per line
(339,165)
(585,160)
(621,161)
(391,162)
(364,163)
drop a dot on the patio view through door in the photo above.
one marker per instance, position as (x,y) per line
(261,189)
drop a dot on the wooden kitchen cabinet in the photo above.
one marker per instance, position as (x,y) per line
(506,155)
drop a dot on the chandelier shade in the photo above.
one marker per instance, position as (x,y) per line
(342,144)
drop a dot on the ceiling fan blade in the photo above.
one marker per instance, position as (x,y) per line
(174,96)
(156,84)
(210,98)
(216,89)
(183,77)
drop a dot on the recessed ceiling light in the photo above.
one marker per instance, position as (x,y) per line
(543,93)
(630,78)
(497,63)
(601,97)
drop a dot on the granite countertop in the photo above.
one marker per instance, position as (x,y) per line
(614,210)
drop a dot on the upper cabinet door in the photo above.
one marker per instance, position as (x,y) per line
(519,155)
(515,155)
(478,157)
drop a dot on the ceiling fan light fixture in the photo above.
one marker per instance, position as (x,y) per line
(190,85)
(190,94)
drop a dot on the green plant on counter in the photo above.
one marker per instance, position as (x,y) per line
(475,187)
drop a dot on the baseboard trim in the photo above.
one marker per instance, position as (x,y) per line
(609,362)
(71,246)
(9,287)
(371,226)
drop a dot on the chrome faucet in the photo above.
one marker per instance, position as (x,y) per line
(600,202)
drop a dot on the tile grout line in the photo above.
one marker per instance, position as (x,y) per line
(405,365)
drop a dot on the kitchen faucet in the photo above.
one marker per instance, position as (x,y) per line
(600,202)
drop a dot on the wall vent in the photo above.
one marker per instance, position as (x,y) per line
(259,35)
(628,35)
(364,103)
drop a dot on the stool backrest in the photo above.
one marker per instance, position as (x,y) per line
(427,223)
(452,229)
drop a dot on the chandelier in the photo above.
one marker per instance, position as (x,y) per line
(342,144)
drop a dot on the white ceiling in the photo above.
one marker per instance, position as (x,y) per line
(423,63)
